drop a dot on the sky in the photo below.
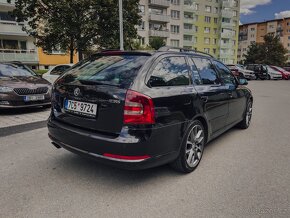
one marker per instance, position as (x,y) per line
(261,10)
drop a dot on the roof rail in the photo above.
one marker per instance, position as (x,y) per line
(177,49)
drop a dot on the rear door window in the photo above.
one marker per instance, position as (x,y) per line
(116,70)
(206,71)
(170,71)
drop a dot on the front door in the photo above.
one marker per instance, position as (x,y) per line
(212,93)
(237,98)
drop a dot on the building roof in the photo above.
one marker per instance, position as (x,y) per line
(266,21)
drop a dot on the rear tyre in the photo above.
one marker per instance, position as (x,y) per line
(192,149)
(247,116)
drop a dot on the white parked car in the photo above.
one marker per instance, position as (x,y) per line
(55,72)
(273,74)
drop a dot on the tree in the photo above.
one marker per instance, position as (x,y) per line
(270,52)
(77,25)
(156,42)
(274,51)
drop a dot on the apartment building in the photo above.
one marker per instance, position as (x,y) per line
(210,26)
(15,44)
(255,32)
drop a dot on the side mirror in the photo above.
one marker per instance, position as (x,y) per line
(243,82)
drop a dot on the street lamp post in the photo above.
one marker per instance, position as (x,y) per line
(121,24)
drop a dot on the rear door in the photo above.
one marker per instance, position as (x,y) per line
(212,94)
(91,95)
(237,98)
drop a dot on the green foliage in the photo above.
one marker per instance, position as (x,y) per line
(77,25)
(40,72)
(271,52)
(156,42)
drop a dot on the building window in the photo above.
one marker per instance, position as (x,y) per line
(215,30)
(252,29)
(236,3)
(214,41)
(187,38)
(215,20)
(174,43)
(206,50)
(207,19)
(208,8)
(174,29)
(207,30)
(175,14)
(206,40)
(214,50)
(235,13)
(216,10)
(196,6)
(141,9)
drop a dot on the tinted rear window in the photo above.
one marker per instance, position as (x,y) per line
(108,70)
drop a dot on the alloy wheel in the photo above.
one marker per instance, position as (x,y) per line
(249,113)
(194,146)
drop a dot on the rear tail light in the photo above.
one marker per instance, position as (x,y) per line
(138,109)
(129,158)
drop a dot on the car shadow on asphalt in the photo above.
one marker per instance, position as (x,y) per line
(19,111)
(69,164)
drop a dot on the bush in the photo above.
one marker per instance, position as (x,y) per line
(40,72)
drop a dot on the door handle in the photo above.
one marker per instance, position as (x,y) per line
(204,98)
(230,95)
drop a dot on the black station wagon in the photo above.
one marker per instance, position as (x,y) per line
(137,110)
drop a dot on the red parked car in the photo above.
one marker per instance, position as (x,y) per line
(285,73)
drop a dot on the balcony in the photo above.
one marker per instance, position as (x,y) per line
(227,14)
(227,45)
(189,31)
(227,25)
(189,8)
(188,43)
(25,56)
(160,3)
(189,20)
(228,4)
(227,35)
(159,18)
(11,28)
(159,33)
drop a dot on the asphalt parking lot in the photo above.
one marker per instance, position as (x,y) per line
(244,173)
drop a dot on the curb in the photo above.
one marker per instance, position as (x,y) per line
(6,131)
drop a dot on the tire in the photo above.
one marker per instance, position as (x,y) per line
(191,149)
(245,123)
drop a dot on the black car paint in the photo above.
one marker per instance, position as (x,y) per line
(219,107)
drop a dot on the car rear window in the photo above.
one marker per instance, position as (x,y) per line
(117,70)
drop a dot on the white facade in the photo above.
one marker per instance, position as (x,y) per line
(15,44)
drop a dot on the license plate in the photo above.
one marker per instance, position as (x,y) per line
(81,108)
(33,97)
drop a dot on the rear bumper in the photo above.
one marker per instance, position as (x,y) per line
(139,144)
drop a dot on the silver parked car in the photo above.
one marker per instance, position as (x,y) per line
(248,74)
(273,73)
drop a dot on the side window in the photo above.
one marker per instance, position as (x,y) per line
(59,70)
(172,71)
(206,71)
(194,71)
(226,75)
